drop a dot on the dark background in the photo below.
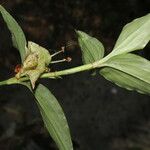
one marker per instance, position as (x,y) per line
(101,115)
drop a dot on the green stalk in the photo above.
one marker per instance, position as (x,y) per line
(68,71)
(56,74)
(10,81)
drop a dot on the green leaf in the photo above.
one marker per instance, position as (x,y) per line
(128,71)
(54,118)
(92,49)
(18,37)
(134,36)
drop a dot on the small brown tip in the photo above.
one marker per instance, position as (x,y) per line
(63,49)
(17,68)
(68,59)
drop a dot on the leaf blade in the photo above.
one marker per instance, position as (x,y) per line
(124,80)
(54,118)
(128,71)
(134,36)
(18,37)
(92,49)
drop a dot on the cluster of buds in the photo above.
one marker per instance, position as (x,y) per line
(67,59)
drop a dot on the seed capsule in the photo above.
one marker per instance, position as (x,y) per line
(31,61)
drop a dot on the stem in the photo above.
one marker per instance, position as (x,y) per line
(61,51)
(56,74)
(9,81)
(58,61)
(68,71)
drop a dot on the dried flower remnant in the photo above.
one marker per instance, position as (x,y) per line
(36,62)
